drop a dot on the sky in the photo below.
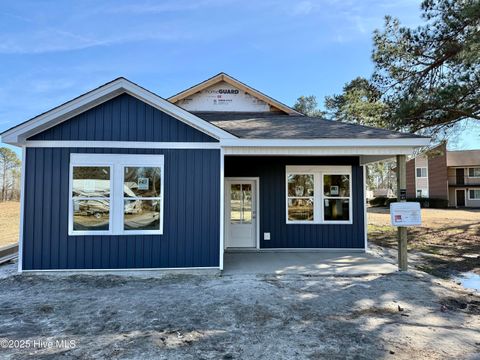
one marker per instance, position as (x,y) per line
(53,51)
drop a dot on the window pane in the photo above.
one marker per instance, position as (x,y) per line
(91,181)
(336,185)
(141,182)
(300,209)
(91,215)
(142,214)
(300,185)
(474,194)
(336,209)
(474,172)
(247,203)
(235,203)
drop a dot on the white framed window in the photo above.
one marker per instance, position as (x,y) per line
(421,172)
(116,194)
(474,194)
(318,194)
(419,193)
(474,172)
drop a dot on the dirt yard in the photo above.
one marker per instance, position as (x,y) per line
(396,316)
(9,222)
(447,243)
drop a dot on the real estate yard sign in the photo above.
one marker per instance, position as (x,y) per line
(405,214)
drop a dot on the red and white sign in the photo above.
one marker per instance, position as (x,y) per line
(405,214)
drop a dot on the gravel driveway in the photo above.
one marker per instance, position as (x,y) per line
(406,316)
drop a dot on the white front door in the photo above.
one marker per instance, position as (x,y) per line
(240,213)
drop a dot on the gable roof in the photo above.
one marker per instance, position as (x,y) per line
(274,126)
(222,77)
(18,134)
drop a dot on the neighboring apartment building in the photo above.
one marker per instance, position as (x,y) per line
(443,174)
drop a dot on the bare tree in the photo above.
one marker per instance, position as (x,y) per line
(9,173)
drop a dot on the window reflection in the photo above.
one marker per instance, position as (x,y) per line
(142,181)
(336,185)
(336,209)
(241,203)
(90,181)
(91,214)
(300,209)
(142,214)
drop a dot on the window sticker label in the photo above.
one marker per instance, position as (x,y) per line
(333,190)
(142,184)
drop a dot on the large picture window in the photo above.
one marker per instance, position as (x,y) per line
(318,194)
(116,194)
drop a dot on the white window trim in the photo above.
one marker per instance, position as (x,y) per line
(116,162)
(468,172)
(474,198)
(426,172)
(318,195)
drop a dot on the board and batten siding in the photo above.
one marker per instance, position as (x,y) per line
(124,118)
(191,215)
(271,171)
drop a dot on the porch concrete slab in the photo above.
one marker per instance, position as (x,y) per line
(306,263)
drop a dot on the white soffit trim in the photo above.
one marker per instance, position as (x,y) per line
(18,134)
(348,142)
(121,144)
(314,151)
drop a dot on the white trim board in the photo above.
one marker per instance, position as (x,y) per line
(318,150)
(125,270)
(334,142)
(18,134)
(22,209)
(121,144)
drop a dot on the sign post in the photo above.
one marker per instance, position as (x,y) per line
(402,197)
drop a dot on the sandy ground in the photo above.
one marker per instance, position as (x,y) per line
(431,218)
(238,317)
(447,244)
(9,222)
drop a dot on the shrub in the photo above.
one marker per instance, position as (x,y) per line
(378,201)
(389,201)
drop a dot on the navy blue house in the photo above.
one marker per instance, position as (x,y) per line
(120,178)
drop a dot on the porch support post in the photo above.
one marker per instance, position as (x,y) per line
(222,207)
(401,230)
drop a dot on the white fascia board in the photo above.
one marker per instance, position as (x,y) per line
(348,142)
(17,135)
(320,151)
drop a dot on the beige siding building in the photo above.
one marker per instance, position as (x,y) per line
(443,174)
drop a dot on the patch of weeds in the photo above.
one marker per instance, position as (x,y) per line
(469,306)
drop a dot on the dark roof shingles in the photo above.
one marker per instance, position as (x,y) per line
(274,126)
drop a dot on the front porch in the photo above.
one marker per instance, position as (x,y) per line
(316,263)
